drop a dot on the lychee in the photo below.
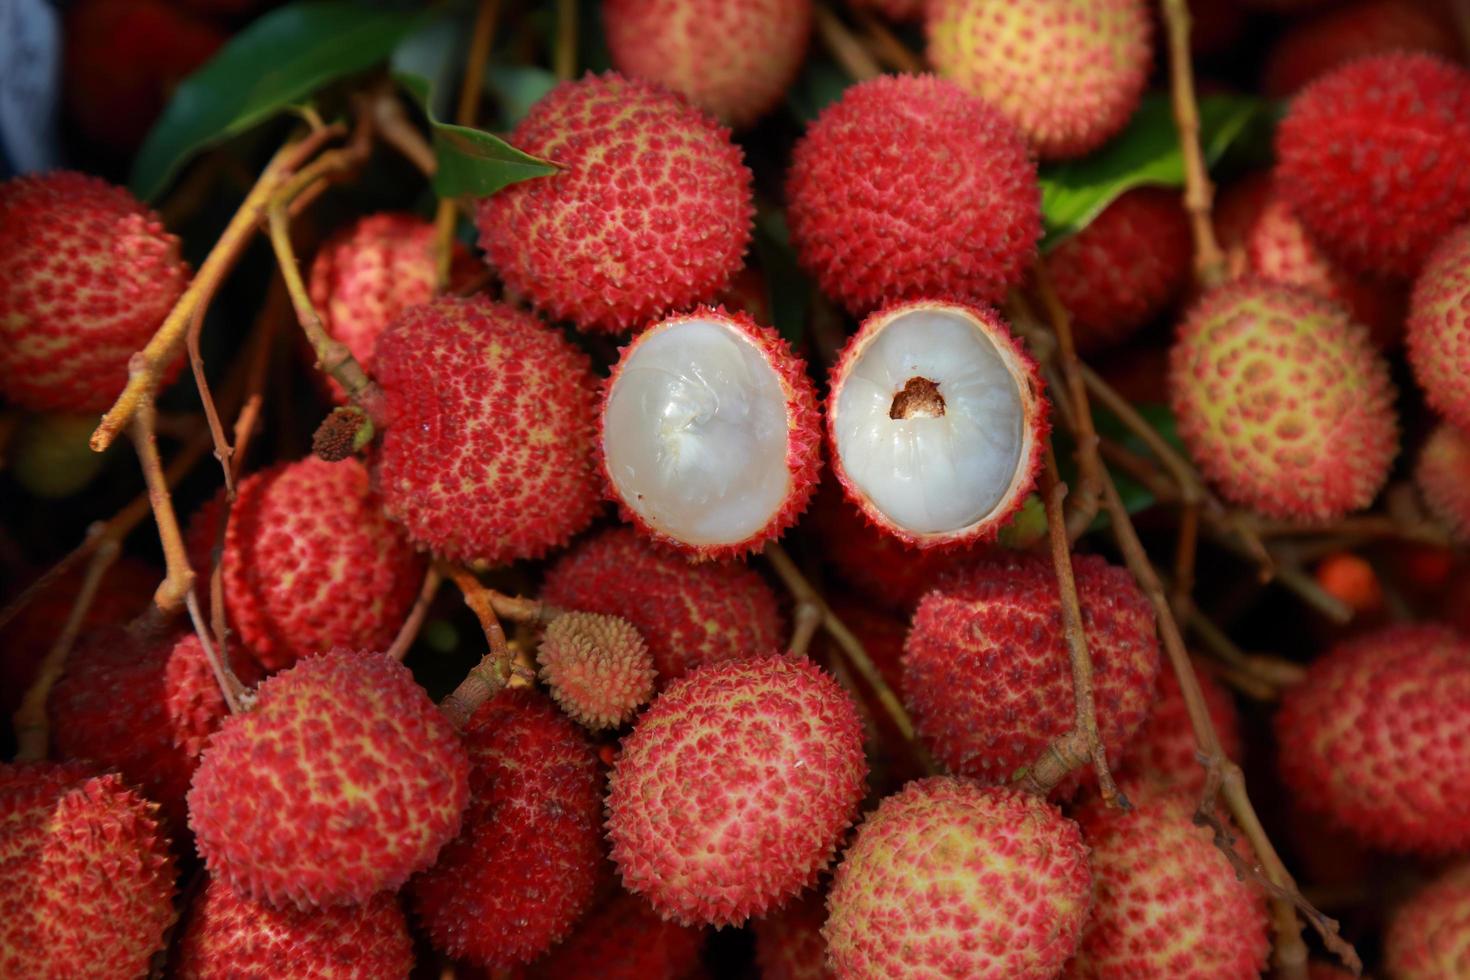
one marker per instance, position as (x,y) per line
(951,878)
(936,422)
(1164,750)
(342,781)
(735,58)
(1428,937)
(232,938)
(597,667)
(710,433)
(1443,477)
(492,414)
(734,789)
(624,939)
(986,674)
(1068,73)
(649,212)
(1373,739)
(525,867)
(1438,331)
(86,876)
(1125,268)
(310,561)
(907,187)
(689,615)
(87,273)
(1167,903)
(1282,401)
(1374,158)
(788,942)
(1309,50)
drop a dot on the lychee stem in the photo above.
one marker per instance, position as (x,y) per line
(1199,192)
(886,47)
(489,677)
(564,56)
(409,631)
(842,45)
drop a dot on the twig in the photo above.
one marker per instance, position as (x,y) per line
(179,576)
(409,631)
(847,49)
(398,132)
(1271,672)
(487,678)
(1358,526)
(886,47)
(808,619)
(564,58)
(224,674)
(1199,193)
(445,217)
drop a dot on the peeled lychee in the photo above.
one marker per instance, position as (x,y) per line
(710,433)
(524,869)
(87,273)
(1443,477)
(1282,401)
(1374,158)
(624,939)
(907,187)
(689,615)
(950,878)
(734,789)
(597,667)
(1438,332)
(1428,937)
(342,781)
(1374,739)
(936,422)
(650,211)
(231,938)
(735,58)
(1329,40)
(986,672)
(1069,73)
(1164,750)
(86,876)
(789,944)
(488,454)
(1125,268)
(1167,903)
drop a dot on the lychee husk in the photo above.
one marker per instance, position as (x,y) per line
(1443,477)
(1428,936)
(1438,331)
(598,668)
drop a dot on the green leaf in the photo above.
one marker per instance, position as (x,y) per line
(515,88)
(819,85)
(1146,153)
(276,61)
(787,287)
(472,162)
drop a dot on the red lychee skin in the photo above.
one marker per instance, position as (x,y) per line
(87,273)
(735,58)
(310,562)
(123,60)
(364,275)
(525,868)
(1374,158)
(597,667)
(950,878)
(1374,739)
(1443,477)
(650,212)
(624,939)
(985,669)
(734,789)
(1314,47)
(1282,401)
(1428,937)
(341,782)
(492,414)
(1167,904)
(788,942)
(803,434)
(689,615)
(1068,73)
(144,705)
(86,875)
(231,938)
(1029,385)
(1438,331)
(1164,750)
(1125,268)
(907,187)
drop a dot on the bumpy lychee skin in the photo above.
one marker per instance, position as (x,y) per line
(86,875)
(1068,73)
(1443,477)
(650,212)
(1373,739)
(1125,268)
(1311,49)
(1167,903)
(735,58)
(907,187)
(689,615)
(624,939)
(525,867)
(711,438)
(1164,750)
(1428,937)
(1374,157)
(789,944)
(488,454)
(87,273)
(936,423)
(231,938)
(950,878)
(734,788)
(342,781)
(1282,401)
(597,667)
(985,662)
(1438,331)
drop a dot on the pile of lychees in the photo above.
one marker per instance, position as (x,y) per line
(581,412)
